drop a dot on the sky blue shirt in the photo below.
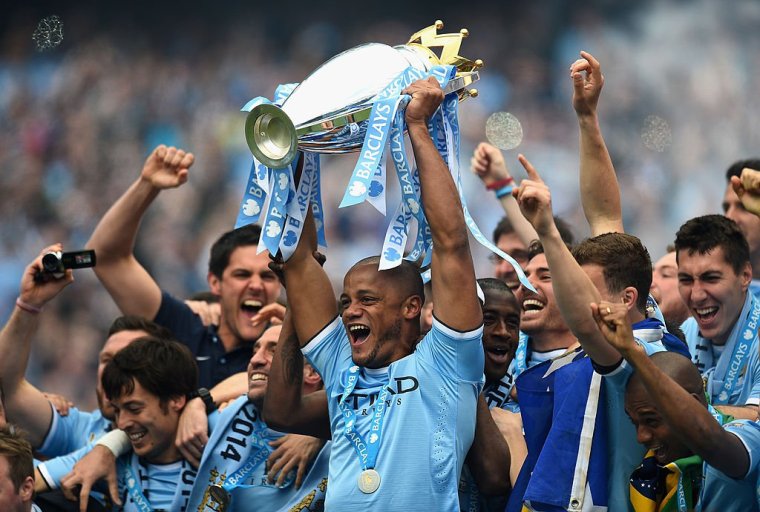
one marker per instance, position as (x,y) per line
(71,432)
(228,429)
(721,492)
(429,423)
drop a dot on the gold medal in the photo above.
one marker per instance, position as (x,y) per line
(220,495)
(369,481)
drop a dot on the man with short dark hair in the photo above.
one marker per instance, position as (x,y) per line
(237,274)
(16,472)
(714,275)
(748,222)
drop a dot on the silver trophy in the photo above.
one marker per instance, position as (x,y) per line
(328,111)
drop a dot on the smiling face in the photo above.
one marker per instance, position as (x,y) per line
(261,363)
(113,344)
(664,289)
(539,311)
(651,429)
(151,428)
(501,325)
(713,292)
(247,284)
(374,314)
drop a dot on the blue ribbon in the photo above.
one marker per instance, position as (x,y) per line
(378,127)
(744,337)
(366,450)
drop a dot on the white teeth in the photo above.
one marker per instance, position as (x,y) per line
(136,436)
(258,376)
(357,328)
(706,311)
(533,302)
(253,303)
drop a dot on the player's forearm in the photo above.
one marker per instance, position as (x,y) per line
(520,224)
(489,457)
(283,399)
(15,345)
(600,192)
(114,236)
(747,412)
(687,417)
(574,291)
(440,198)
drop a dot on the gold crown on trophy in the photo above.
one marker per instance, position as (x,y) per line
(429,38)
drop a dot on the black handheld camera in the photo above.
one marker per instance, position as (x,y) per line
(56,263)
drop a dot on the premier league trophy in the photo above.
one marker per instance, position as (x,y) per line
(351,103)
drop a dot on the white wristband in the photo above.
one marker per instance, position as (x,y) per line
(117,441)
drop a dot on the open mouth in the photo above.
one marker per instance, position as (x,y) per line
(706,314)
(660,453)
(257,378)
(358,333)
(499,355)
(532,306)
(137,436)
(251,306)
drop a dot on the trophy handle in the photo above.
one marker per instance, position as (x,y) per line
(271,136)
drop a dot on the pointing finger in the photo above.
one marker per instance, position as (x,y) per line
(532,172)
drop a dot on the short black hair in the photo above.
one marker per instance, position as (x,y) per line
(735,169)
(164,368)
(227,243)
(705,233)
(624,261)
(407,273)
(138,323)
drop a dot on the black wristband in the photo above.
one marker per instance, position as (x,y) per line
(204,395)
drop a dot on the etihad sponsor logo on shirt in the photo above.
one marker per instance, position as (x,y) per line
(362,402)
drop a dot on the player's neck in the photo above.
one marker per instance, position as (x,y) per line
(544,341)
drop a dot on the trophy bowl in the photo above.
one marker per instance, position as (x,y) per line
(328,111)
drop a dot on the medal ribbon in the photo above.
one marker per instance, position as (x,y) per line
(366,451)
(741,341)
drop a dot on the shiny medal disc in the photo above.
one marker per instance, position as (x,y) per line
(369,481)
(220,495)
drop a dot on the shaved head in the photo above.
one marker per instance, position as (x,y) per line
(406,277)
(678,368)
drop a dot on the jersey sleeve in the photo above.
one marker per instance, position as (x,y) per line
(329,351)
(66,433)
(748,433)
(54,469)
(456,354)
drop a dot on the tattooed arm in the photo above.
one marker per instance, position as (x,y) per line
(295,401)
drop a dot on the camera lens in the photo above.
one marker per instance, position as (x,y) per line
(51,263)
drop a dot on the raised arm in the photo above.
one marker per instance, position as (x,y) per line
(453,275)
(600,193)
(488,164)
(285,407)
(572,287)
(25,405)
(132,288)
(688,418)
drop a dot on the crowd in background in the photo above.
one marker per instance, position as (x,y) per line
(77,121)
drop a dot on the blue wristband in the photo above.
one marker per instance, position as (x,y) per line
(504,191)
